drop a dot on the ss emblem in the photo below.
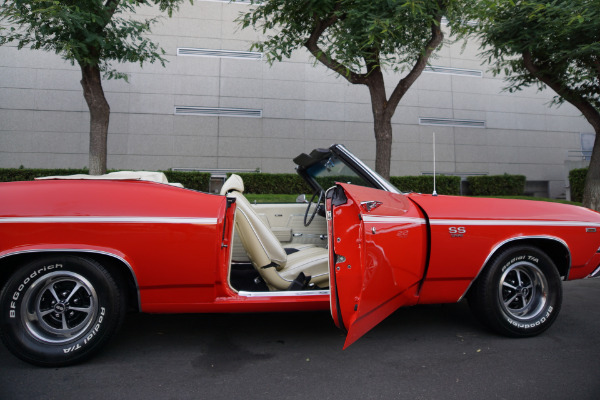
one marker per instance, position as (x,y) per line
(457,231)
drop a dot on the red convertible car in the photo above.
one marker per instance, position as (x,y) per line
(76,254)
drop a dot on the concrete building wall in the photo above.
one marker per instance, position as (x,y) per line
(44,120)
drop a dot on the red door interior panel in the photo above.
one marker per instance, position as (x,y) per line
(378,256)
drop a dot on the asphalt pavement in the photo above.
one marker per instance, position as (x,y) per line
(423,352)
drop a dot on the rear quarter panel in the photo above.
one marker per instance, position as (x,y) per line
(170,237)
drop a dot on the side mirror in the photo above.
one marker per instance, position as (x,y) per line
(301,199)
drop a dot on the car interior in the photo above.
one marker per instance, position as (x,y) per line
(272,264)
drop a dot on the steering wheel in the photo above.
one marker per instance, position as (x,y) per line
(317,207)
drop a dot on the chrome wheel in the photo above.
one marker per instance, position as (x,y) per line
(519,293)
(59,308)
(523,291)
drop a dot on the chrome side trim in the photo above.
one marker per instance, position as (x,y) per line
(105,253)
(497,222)
(108,219)
(498,246)
(285,293)
(594,274)
(392,219)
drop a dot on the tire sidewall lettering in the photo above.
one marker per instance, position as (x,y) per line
(96,327)
(89,338)
(29,278)
(548,315)
(534,324)
(518,270)
(527,257)
(23,340)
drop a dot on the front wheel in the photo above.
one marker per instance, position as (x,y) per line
(59,310)
(519,293)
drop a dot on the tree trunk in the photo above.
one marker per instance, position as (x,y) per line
(91,82)
(591,192)
(382,123)
(383,109)
(383,146)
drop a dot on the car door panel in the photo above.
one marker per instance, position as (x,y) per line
(378,258)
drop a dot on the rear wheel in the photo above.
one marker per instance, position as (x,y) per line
(519,293)
(59,310)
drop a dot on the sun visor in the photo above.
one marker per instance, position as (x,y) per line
(304,160)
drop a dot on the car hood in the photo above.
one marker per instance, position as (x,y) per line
(476,208)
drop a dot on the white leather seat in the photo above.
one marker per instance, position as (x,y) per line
(268,257)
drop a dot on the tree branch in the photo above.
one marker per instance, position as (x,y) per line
(110,4)
(596,65)
(589,112)
(402,87)
(312,45)
(111,7)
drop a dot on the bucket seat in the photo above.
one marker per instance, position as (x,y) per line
(305,267)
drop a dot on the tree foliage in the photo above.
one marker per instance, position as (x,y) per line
(86,32)
(351,35)
(554,43)
(357,39)
(544,42)
(93,34)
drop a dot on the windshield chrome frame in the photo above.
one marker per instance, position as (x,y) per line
(385,185)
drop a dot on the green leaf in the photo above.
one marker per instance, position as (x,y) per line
(86,32)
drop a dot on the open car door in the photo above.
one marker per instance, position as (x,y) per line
(378,251)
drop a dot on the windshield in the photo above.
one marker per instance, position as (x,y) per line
(332,170)
(329,170)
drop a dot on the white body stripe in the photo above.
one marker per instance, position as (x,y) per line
(391,219)
(285,293)
(500,222)
(474,222)
(125,220)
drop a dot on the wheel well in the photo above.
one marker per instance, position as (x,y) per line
(120,272)
(555,249)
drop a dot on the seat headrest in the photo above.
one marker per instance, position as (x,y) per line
(234,182)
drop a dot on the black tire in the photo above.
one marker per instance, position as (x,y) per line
(59,310)
(519,293)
